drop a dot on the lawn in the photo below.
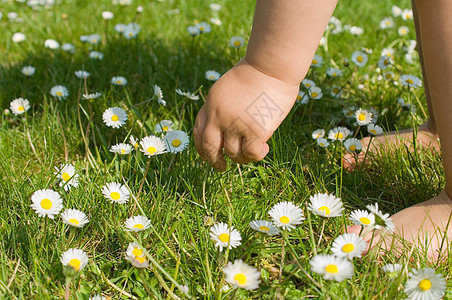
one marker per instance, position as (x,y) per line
(180,195)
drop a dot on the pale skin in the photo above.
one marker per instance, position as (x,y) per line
(283,41)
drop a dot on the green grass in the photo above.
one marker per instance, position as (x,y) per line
(181,195)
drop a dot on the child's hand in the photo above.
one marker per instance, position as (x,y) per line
(243,109)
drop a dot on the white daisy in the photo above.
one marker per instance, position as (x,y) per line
(336,91)
(355,30)
(18,37)
(362,217)
(360,58)
(393,270)
(396,11)
(121,149)
(97,297)
(19,106)
(74,217)
(118,80)
(407,14)
(410,80)
(152,145)
(28,70)
(349,245)
(315,92)
(130,32)
(302,97)
(317,61)
(93,39)
(239,274)
(119,28)
(159,94)
(319,133)
(193,30)
(424,284)
(74,258)
(164,126)
(69,178)
(107,15)
(374,129)
(384,62)
(188,95)
(204,27)
(236,41)
(332,267)
(215,6)
(403,30)
(136,255)
(286,215)
(115,192)
(224,236)
(339,133)
(326,205)
(386,23)
(114,117)
(91,96)
(51,44)
(135,144)
(353,145)
(68,47)
(137,223)
(322,142)
(307,83)
(82,74)
(212,75)
(381,220)
(46,203)
(96,55)
(333,72)
(60,92)
(265,227)
(176,141)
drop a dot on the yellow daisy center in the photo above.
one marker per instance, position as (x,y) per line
(137,252)
(74,221)
(118,81)
(361,117)
(131,34)
(364,220)
(264,228)
(139,226)
(409,81)
(21,108)
(284,219)
(298,97)
(65,176)
(360,58)
(46,203)
(322,144)
(140,259)
(240,278)
(151,150)
(352,148)
(308,85)
(201,28)
(425,285)
(237,43)
(176,142)
(331,269)
(224,237)
(165,128)
(385,62)
(403,31)
(211,77)
(75,263)
(123,151)
(325,209)
(334,74)
(408,16)
(373,131)
(114,118)
(59,94)
(115,196)
(314,61)
(314,94)
(388,23)
(388,76)
(348,248)
(136,146)
(335,90)
(339,135)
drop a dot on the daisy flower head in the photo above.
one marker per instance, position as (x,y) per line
(74,258)
(68,47)
(119,28)
(388,75)
(236,41)
(325,205)
(60,92)
(403,30)
(193,30)
(355,30)
(407,14)
(18,37)
(93,39)
(28,70)
(212,75)
(91,96)
(137,223)
(240,274)
(265,227)
(384,62)
(374,129)
(46,203)
(335,25)
(176,141)
(338,133)
(363,117)
(349,245)
(121,149)
(68,176)
(353,145)
(425,284)
(319,133)
(215,6)
(216,21)
(392,270)
(74,217)
(130,32)
(116,193)
(410,80)
(396,11)
(159,94)
(387,23)
(96,55)
(152,145)
(308,83)
(136,255)
(332,267)
(51,44)
(224,236)
(286,215)
(322,142)
(362,217)
(336,91)
(114,117)
(19,106)
(135,144)
(381,220)
(317,61)
(333,72)
(302,97)
(119,80)
(107,15)
(82,74)
(188,95)
(97,297)
(315,92)
(360,58)
(204,27)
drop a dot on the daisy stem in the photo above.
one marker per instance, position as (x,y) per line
(321,233)
(145,283)
(144,178)
(281,265)
(361,231)
(67,289)
(311,233)
(357,131)
(44,238)
(367,150)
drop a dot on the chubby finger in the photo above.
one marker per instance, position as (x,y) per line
(212,144)
(198,130)
(254,150)
(233,148)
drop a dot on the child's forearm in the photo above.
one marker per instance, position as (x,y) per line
(285,36)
